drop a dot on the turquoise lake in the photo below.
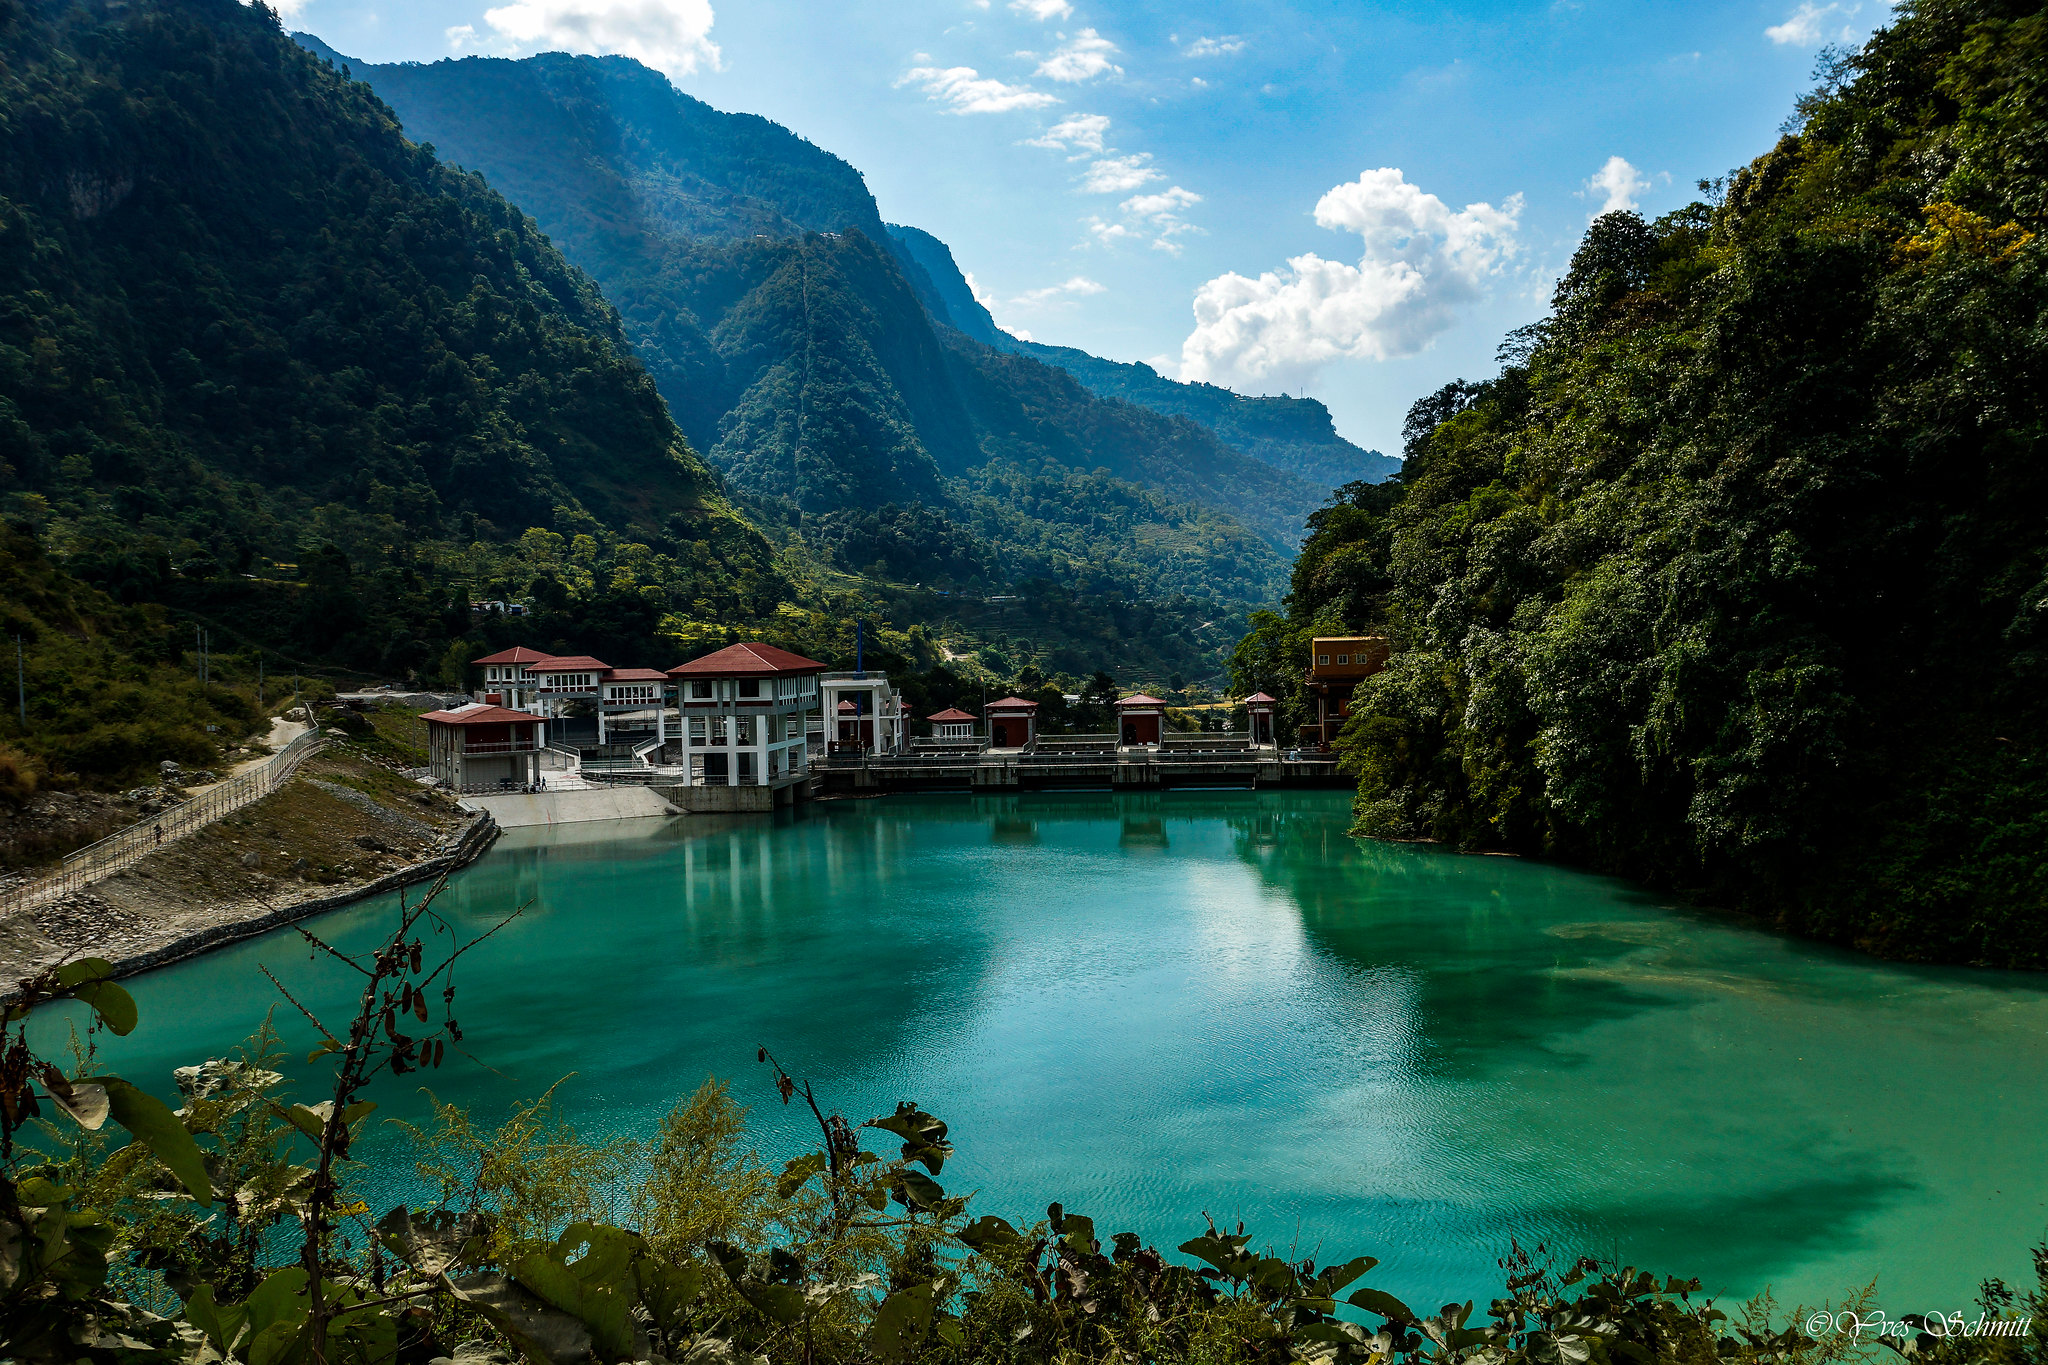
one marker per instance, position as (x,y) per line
(1149,1007)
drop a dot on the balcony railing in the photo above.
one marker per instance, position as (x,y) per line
(501,746)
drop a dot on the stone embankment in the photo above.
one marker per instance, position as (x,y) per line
(341,830)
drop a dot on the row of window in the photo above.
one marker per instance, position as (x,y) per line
(713,729)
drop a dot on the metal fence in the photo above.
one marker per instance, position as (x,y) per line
(123,847)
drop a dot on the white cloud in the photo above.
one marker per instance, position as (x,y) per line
(1619,183)
(965,91)
(1077,286)
(981,296)
(1106,233)
(1223,45)
(672,36)
(1162,206)
(1081,135)
(1082,57)
(286,8)
(1421,263)
(1043,10)
(1120,174)
(1808,25)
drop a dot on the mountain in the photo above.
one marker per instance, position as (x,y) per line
(1294,435)
(1736,580)
(828,364)
(253,341)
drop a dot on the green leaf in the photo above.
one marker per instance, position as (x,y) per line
(326,1046)
(157,1128)
(310,1119)
(39,1193)
(797,1172)
(1078,1232)
(1335,1277)
(114,1006)
(990,1233)
(91,979)
(1383,1303)
(543,1335)
(593,1302)
(920,1190)
(902,1321)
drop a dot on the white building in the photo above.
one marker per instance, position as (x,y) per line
(745,710)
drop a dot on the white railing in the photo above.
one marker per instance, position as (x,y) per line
(123,847)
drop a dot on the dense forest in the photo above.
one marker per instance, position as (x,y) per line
(1735,578)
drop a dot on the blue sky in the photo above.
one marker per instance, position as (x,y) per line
(1346,199)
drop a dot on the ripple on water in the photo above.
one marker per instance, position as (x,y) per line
(1153,1007)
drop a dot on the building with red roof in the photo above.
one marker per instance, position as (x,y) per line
(482,745)
(1012,723)
(952,723)
(745,716)
(1140,718)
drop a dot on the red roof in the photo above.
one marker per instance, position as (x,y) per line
(570,663)
(952,715)
(1011,704)
(1259,696)
(518,654)
(847,708)
(1140,699)
(746,661)
(636,675)
(478,714)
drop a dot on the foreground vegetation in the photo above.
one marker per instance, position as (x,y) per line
(230,1230)
(1735,579)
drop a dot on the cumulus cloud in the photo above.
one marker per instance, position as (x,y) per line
(1043,10)
(1074,287)
(672,36)
(1119,174)
(963,90)
(1223,45)
(1808,25)
(1421,263)
(1079,135)
(1619,183)
(1082,57)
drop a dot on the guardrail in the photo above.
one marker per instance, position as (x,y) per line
(107,856)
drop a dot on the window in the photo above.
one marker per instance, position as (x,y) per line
(696,729)
(700,691)
(1343,658)
(745,729)
(1322,659)
(750,687)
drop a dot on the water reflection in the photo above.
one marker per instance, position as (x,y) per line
(1155,1005)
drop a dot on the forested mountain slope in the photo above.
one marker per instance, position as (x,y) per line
(1290,434)
(245,327)
(1737,578)
(814,357)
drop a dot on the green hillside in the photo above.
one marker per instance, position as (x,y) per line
(247,329)
(799,343)
(1736,579)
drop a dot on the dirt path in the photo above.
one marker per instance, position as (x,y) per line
(341,827)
